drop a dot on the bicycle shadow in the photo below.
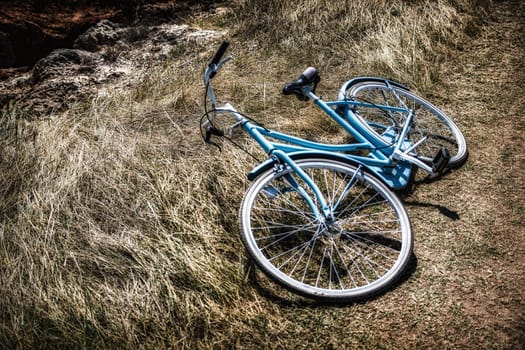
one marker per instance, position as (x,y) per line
(415,181)
(405,193)
(279,295)
(451,214)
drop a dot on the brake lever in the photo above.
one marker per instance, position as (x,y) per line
(211,130)
(226,59)
(314,87)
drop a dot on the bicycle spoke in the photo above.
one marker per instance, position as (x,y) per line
(346,190)
(302,255)
(320,267)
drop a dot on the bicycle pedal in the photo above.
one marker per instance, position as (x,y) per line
(440,161)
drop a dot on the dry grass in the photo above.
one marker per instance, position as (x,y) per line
(118,227)
(403,40)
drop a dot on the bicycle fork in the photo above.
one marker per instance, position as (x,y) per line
(326,213)
(328,225)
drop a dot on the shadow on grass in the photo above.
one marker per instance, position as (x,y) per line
(415,181)
(279,295)
(451,214)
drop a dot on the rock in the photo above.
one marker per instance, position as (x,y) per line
(107,33)
(62,61)
(36,27)
(103,33)
(56,94)
(107,54)
(169,36)
(133,34)
(119,56)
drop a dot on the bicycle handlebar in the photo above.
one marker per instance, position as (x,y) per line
(214,65)
(220,52)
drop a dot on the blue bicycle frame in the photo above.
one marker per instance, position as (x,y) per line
(389,160)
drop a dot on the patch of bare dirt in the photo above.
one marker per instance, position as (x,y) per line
(488,82)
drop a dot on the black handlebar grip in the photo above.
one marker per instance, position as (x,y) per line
(220,52)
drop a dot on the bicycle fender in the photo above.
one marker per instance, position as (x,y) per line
(269,163)
(358,80)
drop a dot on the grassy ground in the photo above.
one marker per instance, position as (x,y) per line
(119,227)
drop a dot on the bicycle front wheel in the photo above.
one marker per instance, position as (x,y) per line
(361,252)
(429,124)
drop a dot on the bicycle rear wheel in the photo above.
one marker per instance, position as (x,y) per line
(429,123)
(363,251)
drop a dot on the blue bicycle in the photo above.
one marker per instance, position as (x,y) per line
(318,218)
